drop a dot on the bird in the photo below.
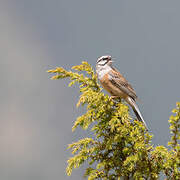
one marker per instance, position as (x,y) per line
(114,83)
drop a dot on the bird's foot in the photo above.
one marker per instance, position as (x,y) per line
(114,97)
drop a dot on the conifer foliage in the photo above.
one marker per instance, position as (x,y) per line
(120,147)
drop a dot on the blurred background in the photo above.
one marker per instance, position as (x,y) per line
(37,113)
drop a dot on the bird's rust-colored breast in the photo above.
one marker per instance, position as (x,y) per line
(108,86)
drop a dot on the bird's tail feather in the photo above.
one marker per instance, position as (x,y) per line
(136,111)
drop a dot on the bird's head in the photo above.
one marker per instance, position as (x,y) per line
(104,60)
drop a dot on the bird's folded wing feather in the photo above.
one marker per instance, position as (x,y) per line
(120,82)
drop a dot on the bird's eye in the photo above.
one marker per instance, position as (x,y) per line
(105,58)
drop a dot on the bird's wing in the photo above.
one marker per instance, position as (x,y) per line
(120,82)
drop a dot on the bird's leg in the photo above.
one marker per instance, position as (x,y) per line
(114,97)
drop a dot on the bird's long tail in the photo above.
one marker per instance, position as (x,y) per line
(136,111)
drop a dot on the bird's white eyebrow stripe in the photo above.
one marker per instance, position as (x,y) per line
(103,58)
(104,63)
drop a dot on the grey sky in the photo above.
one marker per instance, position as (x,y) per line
(37,114)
